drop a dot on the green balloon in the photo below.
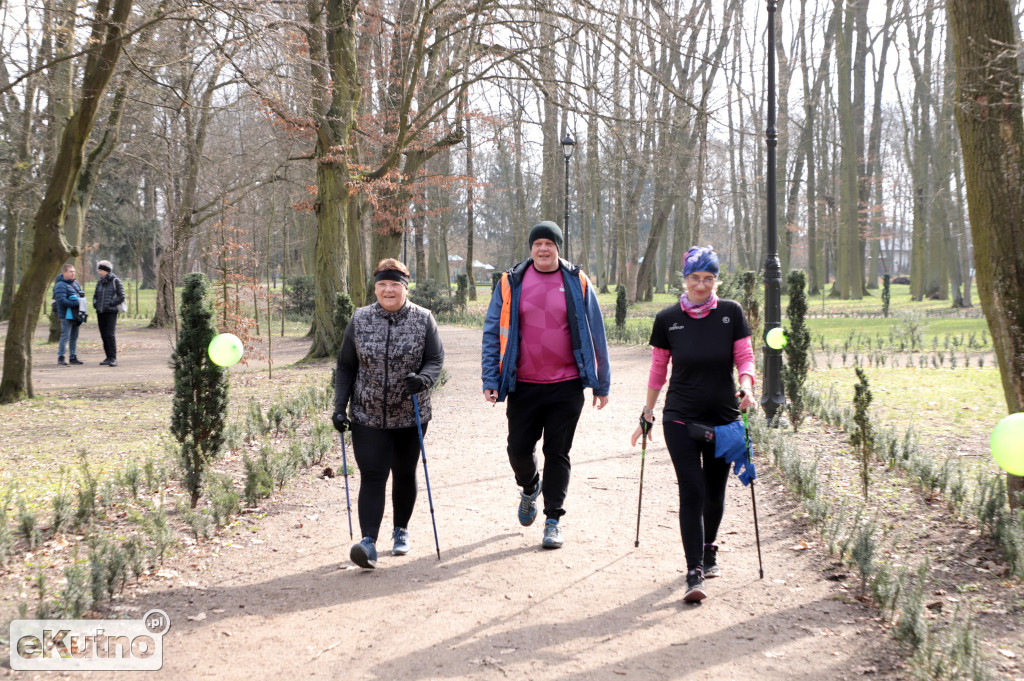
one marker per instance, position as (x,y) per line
(776,338)
(1008,444)
(226,349)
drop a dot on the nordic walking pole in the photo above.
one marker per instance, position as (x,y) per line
(753,501)
(423,451)
(644,428)
(348,502)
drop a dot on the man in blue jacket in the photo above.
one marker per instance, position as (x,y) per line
(544,342)
(67,292)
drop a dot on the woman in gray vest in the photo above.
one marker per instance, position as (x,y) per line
(390,352)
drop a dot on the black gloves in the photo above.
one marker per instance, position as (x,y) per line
(645,425)
(415,383)
(340,421)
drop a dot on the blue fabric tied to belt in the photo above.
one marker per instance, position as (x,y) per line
(731,445)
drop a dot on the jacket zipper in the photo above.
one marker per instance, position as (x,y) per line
(387,362)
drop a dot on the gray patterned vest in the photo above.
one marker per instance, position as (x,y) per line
(389,345)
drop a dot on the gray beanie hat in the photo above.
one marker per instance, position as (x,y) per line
(105,265)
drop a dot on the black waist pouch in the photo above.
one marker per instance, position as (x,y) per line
(700,432)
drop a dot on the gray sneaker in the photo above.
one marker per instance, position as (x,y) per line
(528,505)
(364,554)
(552,534)
(401,537)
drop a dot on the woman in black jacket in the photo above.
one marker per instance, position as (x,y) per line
(109,294)
(391,351)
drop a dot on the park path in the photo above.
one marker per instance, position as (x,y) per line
(143,356)
(283,601)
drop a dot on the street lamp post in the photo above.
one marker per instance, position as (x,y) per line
(568,144)
(773,396)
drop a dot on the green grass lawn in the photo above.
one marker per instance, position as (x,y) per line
(935,401)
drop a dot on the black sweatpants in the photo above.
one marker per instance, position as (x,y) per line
(701,490)
(551,410)
(106,321)
(379,453)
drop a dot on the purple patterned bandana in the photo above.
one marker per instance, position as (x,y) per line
(700,259)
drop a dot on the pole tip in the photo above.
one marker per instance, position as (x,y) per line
(636,543)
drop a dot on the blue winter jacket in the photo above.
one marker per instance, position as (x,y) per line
(590,346)
(62,292)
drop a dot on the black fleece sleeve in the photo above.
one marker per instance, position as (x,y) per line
(345,376)
(433,353)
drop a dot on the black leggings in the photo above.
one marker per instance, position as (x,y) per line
(107,321)
(380,453)
(701,490)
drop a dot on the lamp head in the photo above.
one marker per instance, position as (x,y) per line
(568,144)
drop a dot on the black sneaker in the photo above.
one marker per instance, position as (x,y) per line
(61,362)
(74,360)
(112,363)
(711,566)
(695,586)
(105,362)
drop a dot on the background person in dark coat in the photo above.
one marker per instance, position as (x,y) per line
(109,294)
(391,351)
(66,293)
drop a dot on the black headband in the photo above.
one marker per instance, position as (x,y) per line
(392,275)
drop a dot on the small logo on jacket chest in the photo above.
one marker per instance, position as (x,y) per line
(676,327)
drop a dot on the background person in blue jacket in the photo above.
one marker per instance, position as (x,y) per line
(544,342)
(67,292)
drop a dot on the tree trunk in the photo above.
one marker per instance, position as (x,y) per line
(419,222)
(470,211)
(782,215)
(336,97)
(917,151)
(21,141)
(330,261)
(359,285)
(848,277)
(50,248)
(943,160)
(988,114)
(520,223)
(551,155)
(196,119)
(860,46)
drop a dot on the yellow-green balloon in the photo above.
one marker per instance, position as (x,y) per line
(776,338)
(1008,444)
(226,349)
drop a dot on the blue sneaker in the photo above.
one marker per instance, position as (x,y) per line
(364,554)
(528,505)
(401,537)
(552,534)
